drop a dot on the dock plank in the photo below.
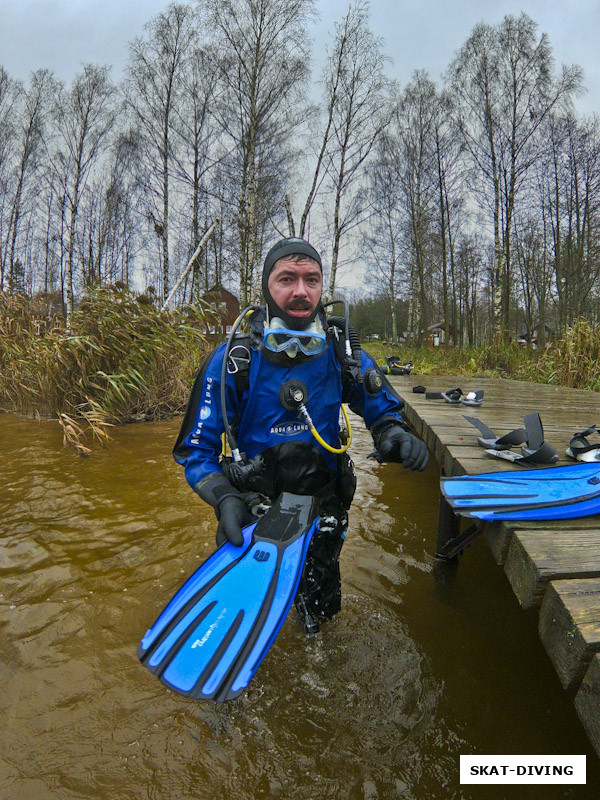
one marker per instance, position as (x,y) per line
(536,557)
(569,626)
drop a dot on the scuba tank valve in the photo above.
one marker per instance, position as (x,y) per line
(352,354)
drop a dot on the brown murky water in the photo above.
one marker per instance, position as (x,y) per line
(379,705)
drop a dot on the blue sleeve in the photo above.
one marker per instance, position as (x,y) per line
(386,403)
(199,444)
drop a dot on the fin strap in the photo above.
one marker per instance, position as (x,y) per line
(454,547)
(450,396)
(546,454)
(473,398)
(489,440)
(536,451)
(579,447)
(456,396)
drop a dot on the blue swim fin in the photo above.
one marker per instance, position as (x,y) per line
(210,639)
(541,494)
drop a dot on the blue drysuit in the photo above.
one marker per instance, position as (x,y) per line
(259,419)
(292,459)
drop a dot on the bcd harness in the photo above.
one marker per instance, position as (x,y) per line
(243,472)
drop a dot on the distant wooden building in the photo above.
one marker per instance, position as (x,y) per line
(524,339)
(227,307)
(436,334)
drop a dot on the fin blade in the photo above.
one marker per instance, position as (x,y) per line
(216,630)
(190,594)
(538,492)
(585,508)
(202,663)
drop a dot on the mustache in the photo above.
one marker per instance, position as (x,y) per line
(299,305)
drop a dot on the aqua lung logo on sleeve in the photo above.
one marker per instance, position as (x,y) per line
(204,412)
(261,555)
(289,428)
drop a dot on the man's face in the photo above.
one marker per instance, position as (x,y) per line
(296,287)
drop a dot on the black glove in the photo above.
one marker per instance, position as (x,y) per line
(229,505)
(393,443)
(233,515)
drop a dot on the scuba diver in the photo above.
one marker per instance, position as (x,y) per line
(277,393)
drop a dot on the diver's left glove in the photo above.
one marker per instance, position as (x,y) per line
(229,505)
(393,443)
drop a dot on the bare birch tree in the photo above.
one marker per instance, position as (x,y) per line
(10,92)
(85,114)
(35,106)
(502,79)
(469,271)
(357,113)
(569,191)
(416,117)
(198,133)
(262,71)
(383,242)
(449,202)
(153,89)
(110,218)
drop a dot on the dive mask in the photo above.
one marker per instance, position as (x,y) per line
(310,342)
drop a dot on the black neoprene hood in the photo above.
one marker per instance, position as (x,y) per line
(287,247)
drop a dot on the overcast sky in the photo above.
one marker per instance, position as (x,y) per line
(419,34)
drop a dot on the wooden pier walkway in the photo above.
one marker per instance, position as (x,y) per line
(552,566)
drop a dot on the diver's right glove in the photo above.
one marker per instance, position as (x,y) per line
(394,443)
(229,505)
(233,515)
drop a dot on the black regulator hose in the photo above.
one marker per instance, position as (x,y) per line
(371,379)
(351,334)
(228,432)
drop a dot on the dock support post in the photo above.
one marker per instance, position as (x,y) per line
(448,529)
(450,541)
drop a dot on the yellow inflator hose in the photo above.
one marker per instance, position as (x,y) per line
(304,411)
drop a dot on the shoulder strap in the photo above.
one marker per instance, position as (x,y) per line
(338,348)
(240,353)
(238,363)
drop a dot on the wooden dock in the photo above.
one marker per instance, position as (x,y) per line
(552,566)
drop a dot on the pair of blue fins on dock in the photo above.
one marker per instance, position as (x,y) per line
(212,636)
(534,494)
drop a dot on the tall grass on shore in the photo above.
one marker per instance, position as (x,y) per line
(502,361)
(573,360)
(121,360)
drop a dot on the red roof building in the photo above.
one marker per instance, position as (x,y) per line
(227,307)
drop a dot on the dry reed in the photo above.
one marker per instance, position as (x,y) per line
(121,360)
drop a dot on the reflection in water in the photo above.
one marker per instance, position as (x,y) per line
(379,705)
